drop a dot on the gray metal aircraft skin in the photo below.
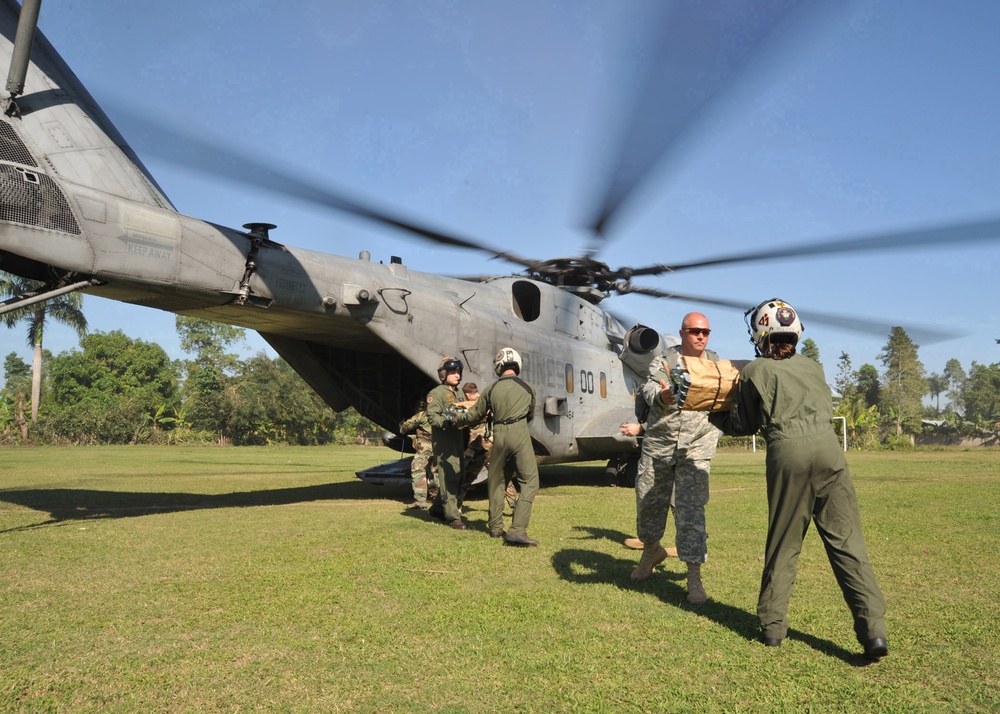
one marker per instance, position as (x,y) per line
(76,204)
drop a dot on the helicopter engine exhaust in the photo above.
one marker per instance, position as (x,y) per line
(641,345)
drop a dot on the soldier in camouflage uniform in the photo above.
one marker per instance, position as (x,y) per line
(448,442)
(676,456)
(636,430)
(786,397)
(477,453)
(422,469)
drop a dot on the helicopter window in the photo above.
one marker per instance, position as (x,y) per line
(586,381)
(527,300)
(569,378)
(604,385)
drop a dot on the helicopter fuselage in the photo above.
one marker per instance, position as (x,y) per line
(77,204)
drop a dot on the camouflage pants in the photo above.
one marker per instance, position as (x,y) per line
(477,455)
(686,481)
(421,474)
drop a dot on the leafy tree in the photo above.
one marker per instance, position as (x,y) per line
(981,392)
(16,374)
(208,386)
(109,391)
(936,383)
(955,375)
(868,384)
(810,349)
(903,383)
(209,340)
(274,405)
(66,309)
(352,428)
(846,381)
(17,385)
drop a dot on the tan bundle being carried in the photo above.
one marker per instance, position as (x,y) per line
(712,383)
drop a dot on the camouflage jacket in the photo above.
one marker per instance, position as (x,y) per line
(420,428)
(669,429)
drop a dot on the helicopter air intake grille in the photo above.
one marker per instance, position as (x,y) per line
(12,148)
(33,199)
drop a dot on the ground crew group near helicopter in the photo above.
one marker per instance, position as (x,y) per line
(781,394)
(509,405)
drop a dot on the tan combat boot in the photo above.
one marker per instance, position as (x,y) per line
(652,555)
(636,544)
(696,593)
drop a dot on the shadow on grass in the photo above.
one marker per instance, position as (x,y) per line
(587,567)
(603,534)
(70,504)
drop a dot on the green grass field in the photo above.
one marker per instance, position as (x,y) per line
(271,579)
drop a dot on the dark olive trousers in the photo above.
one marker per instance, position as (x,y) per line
(808,480)
(512,457)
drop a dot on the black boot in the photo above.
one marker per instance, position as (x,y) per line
(876,649)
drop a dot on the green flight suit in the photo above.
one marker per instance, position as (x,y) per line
(808,479)
(512,403)
(448,442)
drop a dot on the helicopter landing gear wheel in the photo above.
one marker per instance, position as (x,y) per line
(622,470)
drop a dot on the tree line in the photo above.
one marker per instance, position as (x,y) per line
(885,407)
(118,390)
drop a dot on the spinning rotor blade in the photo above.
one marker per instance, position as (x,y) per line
(699,51)
(971,232)
(190,151)
(921,334)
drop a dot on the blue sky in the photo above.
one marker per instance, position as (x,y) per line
(492,120)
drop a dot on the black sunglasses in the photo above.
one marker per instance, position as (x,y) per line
(697,330)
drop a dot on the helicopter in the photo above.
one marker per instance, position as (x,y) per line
(79,211)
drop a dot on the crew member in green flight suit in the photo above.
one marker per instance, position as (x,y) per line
(448,442)
(511,401)
(786,397)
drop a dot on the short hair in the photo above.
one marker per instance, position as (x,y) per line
(470,387)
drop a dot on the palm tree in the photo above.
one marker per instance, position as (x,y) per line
(66,309)
(936,383)
(862,421)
